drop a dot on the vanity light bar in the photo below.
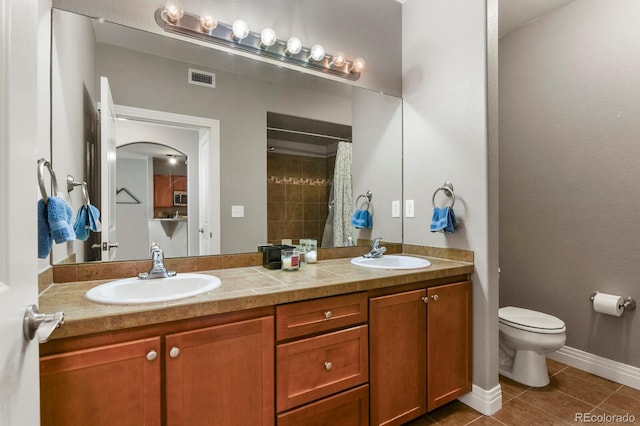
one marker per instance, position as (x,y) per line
(191,26)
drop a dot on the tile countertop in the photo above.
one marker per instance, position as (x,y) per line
(242,288)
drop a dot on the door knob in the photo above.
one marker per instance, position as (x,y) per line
(33,320)
(106,246)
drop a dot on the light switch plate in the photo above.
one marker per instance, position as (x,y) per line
(409,211)
(237,211)
(395,208)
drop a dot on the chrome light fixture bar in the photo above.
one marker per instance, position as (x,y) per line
(290,51)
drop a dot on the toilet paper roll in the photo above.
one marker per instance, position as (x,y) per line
(608,304)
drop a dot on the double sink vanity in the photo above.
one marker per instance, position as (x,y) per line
(338,342)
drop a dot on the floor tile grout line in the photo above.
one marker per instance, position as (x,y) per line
(576,398)
(609,396)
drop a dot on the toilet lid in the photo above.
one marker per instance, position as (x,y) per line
(529,320)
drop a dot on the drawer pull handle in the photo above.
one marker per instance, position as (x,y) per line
(435,297)
(425,299)
(174,352)
(151,355)
(328,314)
(328,366)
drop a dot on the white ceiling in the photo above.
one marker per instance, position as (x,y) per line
(513,14)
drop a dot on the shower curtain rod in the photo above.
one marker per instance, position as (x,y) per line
(298,132)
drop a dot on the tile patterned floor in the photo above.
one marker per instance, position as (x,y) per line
(571,391)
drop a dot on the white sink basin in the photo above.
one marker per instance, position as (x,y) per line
(390,261)
(133,290)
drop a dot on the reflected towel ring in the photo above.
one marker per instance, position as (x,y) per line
(43,190)
(368,195)
(72,183)
(447,187)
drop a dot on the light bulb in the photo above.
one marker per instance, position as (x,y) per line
(317,53)
(174,10)
(240,29)
(173,160)
(338,59)
(268,37)
(358,65)
(208,22)
(294,45)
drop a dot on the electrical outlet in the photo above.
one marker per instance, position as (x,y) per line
(395,208)
(409,211)
(237,211)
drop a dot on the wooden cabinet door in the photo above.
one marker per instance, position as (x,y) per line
(162,191)
(449,340)
(110,385)
(398,357)
(179,183)
(222,375)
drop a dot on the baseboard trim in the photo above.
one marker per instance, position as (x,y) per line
(485,401)
(618,372)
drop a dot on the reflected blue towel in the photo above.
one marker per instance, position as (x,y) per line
(362,219)
(44,233)
(94,219)
(59,216)
(444,219)
(87,219)
(81,225)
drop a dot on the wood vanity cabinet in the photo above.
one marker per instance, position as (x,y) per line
(221,375)
(322,364)
(217,375)
(420,351)
(113,384)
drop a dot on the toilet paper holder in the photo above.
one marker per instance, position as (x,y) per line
(629,303)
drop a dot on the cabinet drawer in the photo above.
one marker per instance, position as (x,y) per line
(313,316)
(350,408)
(313,368)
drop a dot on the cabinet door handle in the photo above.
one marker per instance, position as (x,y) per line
(435,297)
(174,352)
(151,355)
(328,314)
(425,299)
(328,366)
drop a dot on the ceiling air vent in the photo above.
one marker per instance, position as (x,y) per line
(202,78)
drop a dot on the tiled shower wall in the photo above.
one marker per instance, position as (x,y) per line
(298,190)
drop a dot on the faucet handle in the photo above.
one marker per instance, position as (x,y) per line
(376,242)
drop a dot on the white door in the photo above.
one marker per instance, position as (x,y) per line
(20,123)
(204,202)
(108,171)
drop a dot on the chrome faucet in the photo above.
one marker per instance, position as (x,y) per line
(157,265)
(376,250)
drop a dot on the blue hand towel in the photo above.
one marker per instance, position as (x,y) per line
(94,219)
(59,215)
(443,219)
(44,233)
(81,225)
(362,219)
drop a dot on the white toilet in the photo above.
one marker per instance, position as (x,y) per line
(526,336)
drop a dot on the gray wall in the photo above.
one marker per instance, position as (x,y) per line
(131,219)
(444,46)
(569,197)
(366,28)
(72,43)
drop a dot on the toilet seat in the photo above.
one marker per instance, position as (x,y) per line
(528,320)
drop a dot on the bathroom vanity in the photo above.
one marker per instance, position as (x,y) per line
(332,341)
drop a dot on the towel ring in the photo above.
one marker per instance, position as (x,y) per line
(447,187)
(72,183)
(42,163)
(368,195)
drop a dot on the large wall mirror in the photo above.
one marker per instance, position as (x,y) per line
(214,168)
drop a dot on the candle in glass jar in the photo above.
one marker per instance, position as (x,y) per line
(312,256)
